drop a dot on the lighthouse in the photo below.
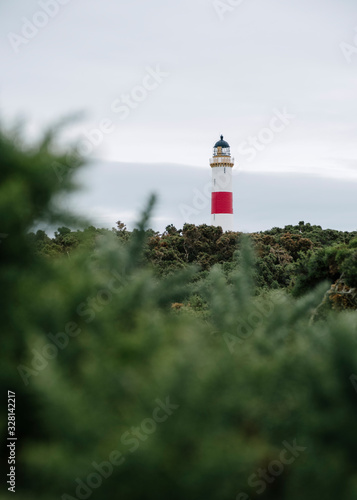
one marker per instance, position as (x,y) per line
(222,190)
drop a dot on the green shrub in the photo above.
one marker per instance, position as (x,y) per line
(253,378)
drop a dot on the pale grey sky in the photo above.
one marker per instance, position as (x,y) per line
(261,200)
(164,79)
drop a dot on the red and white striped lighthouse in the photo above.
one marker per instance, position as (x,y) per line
(222,189)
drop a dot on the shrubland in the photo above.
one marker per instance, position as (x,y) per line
(189,364)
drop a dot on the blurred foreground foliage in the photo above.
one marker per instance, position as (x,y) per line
(185,352)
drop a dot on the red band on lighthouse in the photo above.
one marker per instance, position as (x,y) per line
(222,202)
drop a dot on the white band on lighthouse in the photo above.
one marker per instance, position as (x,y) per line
(222,188)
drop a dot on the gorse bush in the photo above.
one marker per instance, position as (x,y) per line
(120,395)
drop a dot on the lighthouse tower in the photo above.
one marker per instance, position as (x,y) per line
(222,190)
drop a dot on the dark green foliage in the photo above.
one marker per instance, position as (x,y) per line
(316,267)
(326,263)
(319,236)
(282,254)
(247,374)
(348,263)
(203,245)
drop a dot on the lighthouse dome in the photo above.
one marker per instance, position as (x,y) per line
(221,143)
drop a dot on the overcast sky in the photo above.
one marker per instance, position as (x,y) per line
(163,79)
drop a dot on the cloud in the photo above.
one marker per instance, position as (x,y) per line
(119,191)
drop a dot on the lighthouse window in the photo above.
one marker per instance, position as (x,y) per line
(224,169)
(214,182)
